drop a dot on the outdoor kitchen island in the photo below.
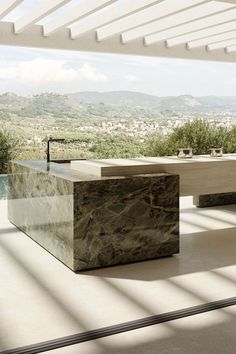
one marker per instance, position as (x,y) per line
(89,221)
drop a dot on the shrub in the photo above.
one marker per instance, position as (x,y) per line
(200,135)
(8,150)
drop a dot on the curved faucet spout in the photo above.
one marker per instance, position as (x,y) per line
(50,140)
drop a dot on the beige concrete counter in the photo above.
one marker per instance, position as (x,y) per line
(198,175)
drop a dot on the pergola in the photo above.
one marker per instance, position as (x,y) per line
(43,305)
(190,29)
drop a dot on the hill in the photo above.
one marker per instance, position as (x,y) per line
(72,102)
(138,99)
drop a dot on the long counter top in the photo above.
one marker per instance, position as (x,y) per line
(89,221)
(198,175)
(132,166)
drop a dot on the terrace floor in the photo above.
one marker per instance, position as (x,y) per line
(41,299)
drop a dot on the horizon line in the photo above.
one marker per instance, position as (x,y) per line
(107,92)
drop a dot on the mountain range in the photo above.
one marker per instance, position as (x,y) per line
(182,102)
(123,99)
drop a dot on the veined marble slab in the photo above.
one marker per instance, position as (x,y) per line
(88,223)
(209,200)
(41,205)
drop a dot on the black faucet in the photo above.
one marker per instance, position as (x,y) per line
(50,140)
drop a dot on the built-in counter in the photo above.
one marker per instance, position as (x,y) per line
(198,175)
(87,221)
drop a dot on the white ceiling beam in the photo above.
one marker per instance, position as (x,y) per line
(32,37)
(211,39)
(224,28)
(84,7)
(36,13)
(229,1)
(230,49)
(6,6)
(221,45)
(188,28)
(113,12)
(175,20)
(152,13)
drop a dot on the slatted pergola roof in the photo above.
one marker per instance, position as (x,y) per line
(191,29)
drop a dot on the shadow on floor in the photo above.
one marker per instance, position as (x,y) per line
(199,252)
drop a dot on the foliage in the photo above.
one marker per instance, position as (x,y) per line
(199,134)
(8,150)
(117,146)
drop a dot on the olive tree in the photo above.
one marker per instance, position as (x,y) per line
(199,134)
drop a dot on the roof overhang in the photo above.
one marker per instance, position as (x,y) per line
(189,29)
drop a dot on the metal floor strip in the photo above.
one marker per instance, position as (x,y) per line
(120,328)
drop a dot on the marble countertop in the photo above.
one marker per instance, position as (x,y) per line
(63,170)
(164,165)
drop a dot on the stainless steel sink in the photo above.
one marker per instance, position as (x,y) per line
(67,160)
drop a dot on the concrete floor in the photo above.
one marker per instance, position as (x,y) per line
(41,299)
(202,334)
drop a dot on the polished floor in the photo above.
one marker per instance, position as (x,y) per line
(41,299)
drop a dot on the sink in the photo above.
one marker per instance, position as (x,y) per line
(67,160)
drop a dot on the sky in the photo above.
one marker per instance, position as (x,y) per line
(27,71)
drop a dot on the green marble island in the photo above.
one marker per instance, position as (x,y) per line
(87,221)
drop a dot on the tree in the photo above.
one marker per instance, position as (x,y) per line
(8,150)
(199,134)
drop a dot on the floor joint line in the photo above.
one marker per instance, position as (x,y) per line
(121,328)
